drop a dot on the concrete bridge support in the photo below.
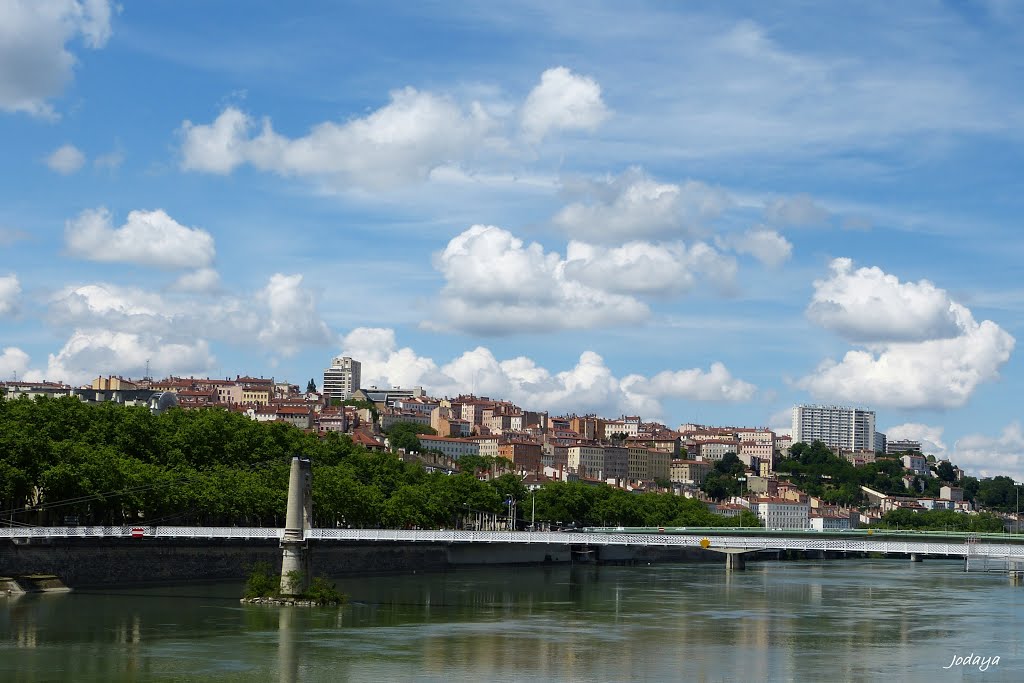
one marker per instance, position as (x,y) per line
(294,549)
(735,558)
(914,557)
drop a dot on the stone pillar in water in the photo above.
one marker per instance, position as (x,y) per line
(294,553)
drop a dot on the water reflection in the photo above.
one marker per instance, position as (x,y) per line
(287,657)
(836,620)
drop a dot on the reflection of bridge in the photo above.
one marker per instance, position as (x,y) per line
(732,541)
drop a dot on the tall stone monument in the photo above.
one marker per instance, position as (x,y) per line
(295,553)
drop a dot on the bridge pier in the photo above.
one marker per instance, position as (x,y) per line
(294,550)
(914,557)
(735,558)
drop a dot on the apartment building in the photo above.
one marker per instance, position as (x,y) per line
(828,521)
(488,445)
(342,379)
(452,447)
(554,455)
(902,446)
(715,449)
(587,460)
(689,471)
(616,462)
(525,455)
(781,513)
(838,427)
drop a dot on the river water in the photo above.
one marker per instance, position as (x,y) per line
(834,620)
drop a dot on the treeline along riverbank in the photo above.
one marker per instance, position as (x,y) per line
(65,461)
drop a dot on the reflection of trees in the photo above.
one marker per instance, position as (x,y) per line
(777,620)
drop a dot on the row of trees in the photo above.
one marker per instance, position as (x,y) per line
(110,464)
(941,520)
(818,471)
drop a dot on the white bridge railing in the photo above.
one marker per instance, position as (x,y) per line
(774,542)
(242,533)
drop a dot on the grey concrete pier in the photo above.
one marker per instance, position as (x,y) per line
(294,548)
(735,558)
(735,562)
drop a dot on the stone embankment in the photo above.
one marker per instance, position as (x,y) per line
(123,562)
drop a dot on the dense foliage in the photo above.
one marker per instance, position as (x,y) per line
(819,472)
(405,435)
(940,520)
(264,582)
(997,493)
(723,480)
(110,464)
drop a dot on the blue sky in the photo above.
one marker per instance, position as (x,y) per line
(692,211)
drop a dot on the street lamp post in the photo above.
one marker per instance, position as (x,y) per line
(742,480)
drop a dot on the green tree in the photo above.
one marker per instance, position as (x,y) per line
(970,486)
(940,520)
(730,464)
(509,486)
(719,486)
(997,493)
(945,471)
(405,435)
(311,386)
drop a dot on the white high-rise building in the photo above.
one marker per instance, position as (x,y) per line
(851,429)
(342,378)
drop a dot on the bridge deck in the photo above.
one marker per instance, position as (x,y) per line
(780,540)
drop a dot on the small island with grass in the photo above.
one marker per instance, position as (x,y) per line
(263,587)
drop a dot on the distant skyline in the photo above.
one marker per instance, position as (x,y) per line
(694,212)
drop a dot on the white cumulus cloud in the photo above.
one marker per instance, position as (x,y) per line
(402,141)
(126,309)
(869,305)
(202,280)
(66,159)
(562,100)
(983,455)
(929,436)
(35,64)
(13,362)
(588,386)
(635,206)
(281,317)
(940,366)
(10,293)
(715,384)
(497,284)
(89,353)
(292,319)
(149,238)
(648,268)
(767,246)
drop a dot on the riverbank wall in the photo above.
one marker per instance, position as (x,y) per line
(104,562)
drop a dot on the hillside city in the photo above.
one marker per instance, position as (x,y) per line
(834,471)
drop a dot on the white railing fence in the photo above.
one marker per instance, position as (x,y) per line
(774,542)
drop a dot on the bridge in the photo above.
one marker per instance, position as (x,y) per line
(734,542)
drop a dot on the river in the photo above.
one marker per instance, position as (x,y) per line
(830,620)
